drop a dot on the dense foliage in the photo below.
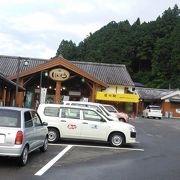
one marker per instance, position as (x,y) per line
(151,51)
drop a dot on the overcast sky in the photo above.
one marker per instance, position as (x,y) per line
(35,28)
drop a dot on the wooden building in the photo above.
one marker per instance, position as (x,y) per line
(168,100)
(171,104)
(62,79)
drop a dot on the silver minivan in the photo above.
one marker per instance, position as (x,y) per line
(21,132)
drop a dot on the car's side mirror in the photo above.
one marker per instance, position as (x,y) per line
(45,124)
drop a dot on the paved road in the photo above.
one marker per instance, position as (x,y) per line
(155,157)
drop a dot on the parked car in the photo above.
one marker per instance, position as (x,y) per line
(120,115)
(21,132)
(152,111)
(97,106)
(75,122)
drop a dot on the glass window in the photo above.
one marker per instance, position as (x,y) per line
(51,111)
(155,108)
(28,119)
(91,115)
(70,113)
(110,108)
(105,112)
(36,119)
(10,118)
(78,104)
(93,107)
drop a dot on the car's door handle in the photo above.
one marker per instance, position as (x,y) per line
(84,123)
(63,121)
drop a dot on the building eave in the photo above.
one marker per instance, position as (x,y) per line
(58,61)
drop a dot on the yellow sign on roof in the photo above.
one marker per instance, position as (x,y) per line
(106,96)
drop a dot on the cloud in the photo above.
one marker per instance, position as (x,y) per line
(34,22)
(36,28)
(80,8)
(15,47)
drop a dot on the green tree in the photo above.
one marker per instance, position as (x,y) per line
(149,50)
(67,49)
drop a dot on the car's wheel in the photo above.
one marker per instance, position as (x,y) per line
(53,135)
(117,139)
(122,119)
(45,145)
(24,156)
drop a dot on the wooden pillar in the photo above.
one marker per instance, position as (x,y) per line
(21,95)
(17,99)
(162,107)
(1,91)
(21,99)
(8,95)
(17,87)
(136,112)
(58,92)
(4,96)
(93,95)
(12,97)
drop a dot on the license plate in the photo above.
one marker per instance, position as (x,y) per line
(1,138)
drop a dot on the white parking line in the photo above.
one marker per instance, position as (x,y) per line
(53,161)
(100,147)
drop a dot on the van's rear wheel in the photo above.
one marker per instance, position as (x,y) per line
(117,139)
(53,135)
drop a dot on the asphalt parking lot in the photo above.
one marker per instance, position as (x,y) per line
(156,155)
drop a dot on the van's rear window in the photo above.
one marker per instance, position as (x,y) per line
(10,118)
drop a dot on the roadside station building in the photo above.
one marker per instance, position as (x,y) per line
(168,100)
(58,79)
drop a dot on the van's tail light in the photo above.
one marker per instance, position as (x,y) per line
(19,137)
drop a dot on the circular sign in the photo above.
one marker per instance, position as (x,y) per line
(59,74)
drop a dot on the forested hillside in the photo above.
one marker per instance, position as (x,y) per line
(151,51)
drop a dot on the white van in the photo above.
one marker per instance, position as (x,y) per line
(97,106)
(77,122)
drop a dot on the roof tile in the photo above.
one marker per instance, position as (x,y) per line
(114,74)
(151,93)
